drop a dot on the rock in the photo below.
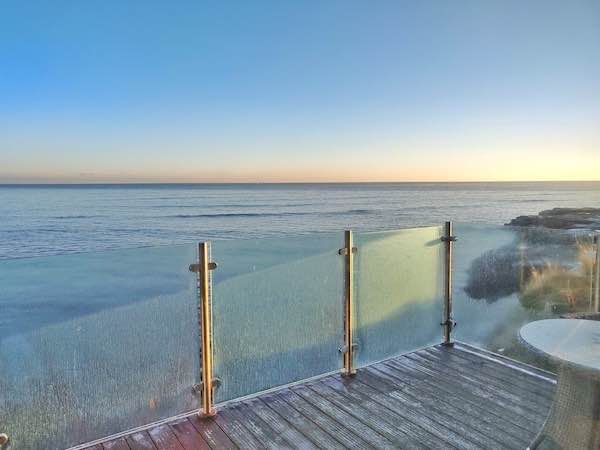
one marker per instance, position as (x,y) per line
(494,275)
(582,315)
(561,219)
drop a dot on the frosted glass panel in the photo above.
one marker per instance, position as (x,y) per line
(506,277)
(399,278)
(94,344)
(277,311)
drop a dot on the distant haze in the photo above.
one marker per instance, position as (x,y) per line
(271,91)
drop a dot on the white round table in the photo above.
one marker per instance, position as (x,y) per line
(574,419)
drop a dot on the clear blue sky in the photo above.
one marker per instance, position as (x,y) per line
(299,90)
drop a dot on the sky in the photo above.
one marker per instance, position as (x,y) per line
(273,91)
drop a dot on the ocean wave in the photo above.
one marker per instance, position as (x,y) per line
(73,217)
(217,215)
(235,205)
(359,211)
(271,214)
(169,206)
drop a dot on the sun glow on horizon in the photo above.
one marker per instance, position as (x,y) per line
(279,92)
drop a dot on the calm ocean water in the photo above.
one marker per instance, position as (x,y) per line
(99,342)
(50,220)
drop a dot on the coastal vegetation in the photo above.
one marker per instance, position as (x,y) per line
(548,269)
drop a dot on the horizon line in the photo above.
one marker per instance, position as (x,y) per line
(117,183)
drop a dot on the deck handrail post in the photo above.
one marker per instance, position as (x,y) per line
(205,323)
(447,320)
(597,274)
(349,346)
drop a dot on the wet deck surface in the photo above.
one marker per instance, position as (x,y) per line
(439,397)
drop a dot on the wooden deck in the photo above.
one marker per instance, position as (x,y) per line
(439,397)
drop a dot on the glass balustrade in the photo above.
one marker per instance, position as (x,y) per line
(506,277)
(94,344)
(277,311)
(399,279)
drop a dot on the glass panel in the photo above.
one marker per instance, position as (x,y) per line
(94,344)
(399,279)
(506,277)
(277,311)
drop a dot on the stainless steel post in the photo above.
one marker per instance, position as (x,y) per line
(203,268)
(597,274)
(447,320)
(348,349)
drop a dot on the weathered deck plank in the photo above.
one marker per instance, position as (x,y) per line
(346,436)
(140,441)
(456,397)
(451,390)
(411,410)
(116,444)
(355,419)
(386,413)
(259,428)
(316,434)
(451,413)
(481,390)
(394,436)
(280,425)
(467,412)
(212,433)
(236,431)
(481,370)
(164,438)
(188,436)
(505,390)
(491,372)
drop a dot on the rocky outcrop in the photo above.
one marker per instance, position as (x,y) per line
(581,315)
(562,219)
(495,274)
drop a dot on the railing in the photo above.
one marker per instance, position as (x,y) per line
(505,277)
(92,345)
(325,304)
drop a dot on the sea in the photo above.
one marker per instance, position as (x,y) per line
(38,220)
(99,312)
